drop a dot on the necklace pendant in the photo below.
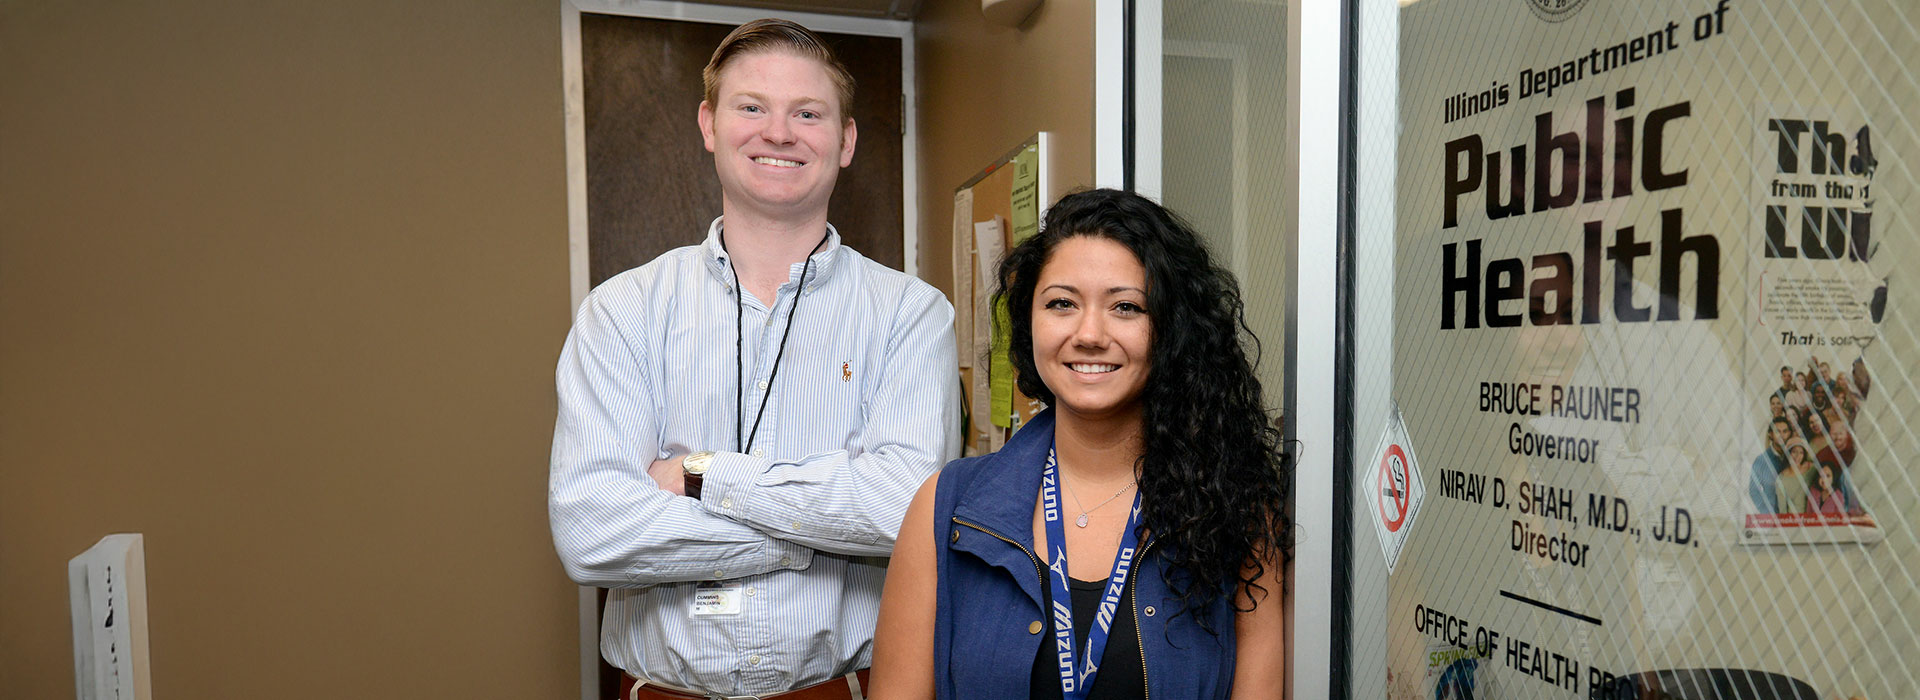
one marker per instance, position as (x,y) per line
(1081,521)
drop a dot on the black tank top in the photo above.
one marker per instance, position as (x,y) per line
(1121,676)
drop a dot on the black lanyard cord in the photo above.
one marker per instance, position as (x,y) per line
(739,346)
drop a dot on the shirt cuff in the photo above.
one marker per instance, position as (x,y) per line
(729,482)
(725,490)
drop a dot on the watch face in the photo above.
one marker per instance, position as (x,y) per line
(697,462)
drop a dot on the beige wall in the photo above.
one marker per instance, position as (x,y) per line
(282,289)
(985,89)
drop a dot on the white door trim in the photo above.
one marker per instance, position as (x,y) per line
(1315,38)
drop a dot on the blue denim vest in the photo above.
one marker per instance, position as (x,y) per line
(988,626)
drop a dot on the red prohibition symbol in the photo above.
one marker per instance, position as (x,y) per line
(1393,488)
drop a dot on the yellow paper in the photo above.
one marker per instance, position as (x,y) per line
(1001,376)
(1026,194)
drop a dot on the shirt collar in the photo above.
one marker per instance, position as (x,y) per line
(824,262)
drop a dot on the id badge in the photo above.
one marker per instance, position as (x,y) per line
(715,599)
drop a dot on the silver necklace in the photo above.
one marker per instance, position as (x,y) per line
(1082,520)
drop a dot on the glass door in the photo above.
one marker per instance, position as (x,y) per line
(1633,349)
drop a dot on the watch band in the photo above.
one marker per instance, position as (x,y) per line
(694,471)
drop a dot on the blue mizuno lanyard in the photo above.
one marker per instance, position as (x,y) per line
(1074,686)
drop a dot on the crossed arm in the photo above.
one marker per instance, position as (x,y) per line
(617,514)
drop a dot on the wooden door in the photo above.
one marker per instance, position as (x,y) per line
(650,183)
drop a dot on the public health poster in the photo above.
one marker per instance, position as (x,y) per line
(1655,334)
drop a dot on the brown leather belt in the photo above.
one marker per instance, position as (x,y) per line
(849,687)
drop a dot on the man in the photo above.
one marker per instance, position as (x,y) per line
(1839,452)
(1766,467)
(1825,384)
(1798,396)
(743,422)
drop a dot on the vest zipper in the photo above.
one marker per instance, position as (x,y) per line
(1038,569)
(1139,640)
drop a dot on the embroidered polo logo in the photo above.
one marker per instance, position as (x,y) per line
(846,371)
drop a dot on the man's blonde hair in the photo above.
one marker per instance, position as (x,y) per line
(762,35)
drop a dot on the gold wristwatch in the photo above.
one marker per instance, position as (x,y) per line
(695,469)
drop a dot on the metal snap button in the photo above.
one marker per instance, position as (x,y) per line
(1034,627)
(1149,611)
(955,537)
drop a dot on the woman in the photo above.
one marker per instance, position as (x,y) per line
(1825,497)
(1799,419)
(1129,541)
(1793,490)
(1844,398)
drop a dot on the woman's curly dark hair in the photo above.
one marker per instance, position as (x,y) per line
(1213,470)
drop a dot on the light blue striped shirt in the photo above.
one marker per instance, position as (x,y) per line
(864,408)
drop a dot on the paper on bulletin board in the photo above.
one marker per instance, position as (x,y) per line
(1002,376)
(989,239)
(980,400)
(1026,194)
(989,243)
(963,274)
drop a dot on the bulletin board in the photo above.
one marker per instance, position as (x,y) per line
(993,211)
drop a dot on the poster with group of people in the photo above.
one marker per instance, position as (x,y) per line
(1820,301)
(1654,346)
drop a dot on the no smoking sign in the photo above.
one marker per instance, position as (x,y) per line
(1391,484)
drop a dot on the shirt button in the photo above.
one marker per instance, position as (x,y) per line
(726,503)
(760,452)
(719,574)
(754,660)
(1033,627)
(763,386)
(749,591)
(786,561)
(796,527)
